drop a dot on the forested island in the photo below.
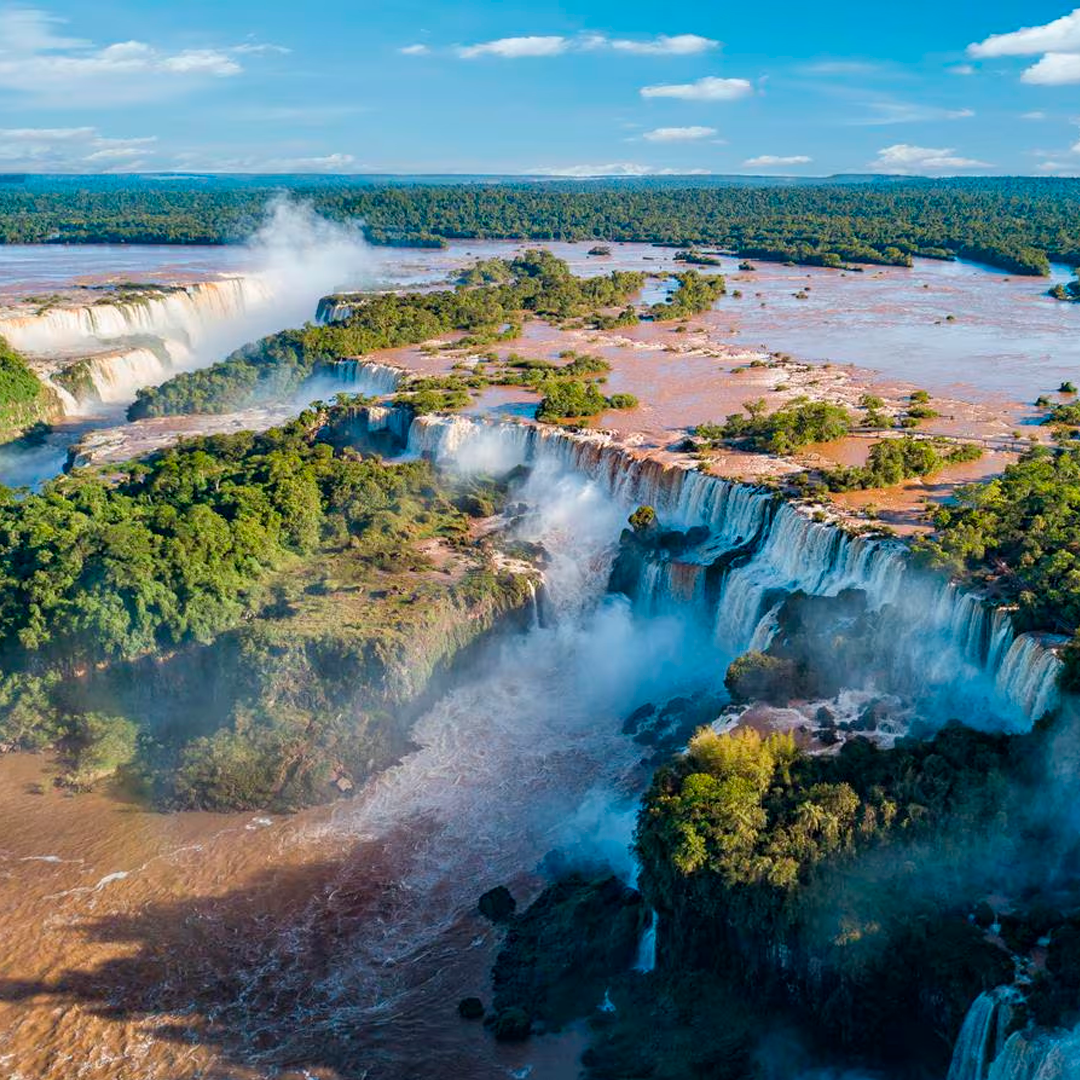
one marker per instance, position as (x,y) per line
(1019,224)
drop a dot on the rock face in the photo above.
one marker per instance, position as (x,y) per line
(560,955)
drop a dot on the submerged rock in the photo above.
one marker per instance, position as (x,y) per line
(512,1025)
(470,1008)
(497,904)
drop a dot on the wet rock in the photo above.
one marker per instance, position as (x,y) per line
(825,717)
(512,1024)
(497,904)
(637,717)
(470,1008)
(560,955)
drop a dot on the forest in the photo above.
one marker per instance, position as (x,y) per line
(236,621)
(1019,224)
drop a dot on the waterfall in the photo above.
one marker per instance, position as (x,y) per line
(959,654)
(982,1035)
(184,313)
(364,376)
(333,309)
(646,954)
(983,1052)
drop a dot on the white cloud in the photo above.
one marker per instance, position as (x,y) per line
(1058,41)
(709,88)
(1060,168)
(905,158)
(46,135)
(616,168)
(115,153)
(513,47)
(676,45)
(70,72)
(414,50)
(197,161)
(1033,116)
(678,134)
(768,161)
(68,150)
(1054,69)
(961,69)
(1061,35)
(902,112)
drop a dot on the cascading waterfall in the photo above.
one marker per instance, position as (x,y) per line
(109,350)
(184,313)
(364,376)
(986,1051)
(959,653)
(646,955)
(983,1034)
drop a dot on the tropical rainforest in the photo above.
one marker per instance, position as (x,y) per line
(1019,224)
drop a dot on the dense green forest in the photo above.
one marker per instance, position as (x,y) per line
(866,871)
(1013,223)
(24,400)
(237,620)
(536,283)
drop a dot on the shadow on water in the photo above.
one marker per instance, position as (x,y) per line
(260,975)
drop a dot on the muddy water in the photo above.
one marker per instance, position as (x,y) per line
(338,942)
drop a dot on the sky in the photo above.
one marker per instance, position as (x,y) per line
(507,87)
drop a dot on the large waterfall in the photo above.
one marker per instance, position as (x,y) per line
(986,1050)
(184,313)
(939,643)
(105,351)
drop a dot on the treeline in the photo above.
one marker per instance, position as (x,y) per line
(1018,224)
(1018,534)
(536,283)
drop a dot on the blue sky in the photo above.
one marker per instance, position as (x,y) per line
(608,88)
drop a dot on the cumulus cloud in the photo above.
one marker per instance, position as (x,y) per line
(1054,69)
(905,158)
(414,50)
(37,61)
(768,161)
(1058,41)
(511,48)
(709,88)
(1061,35)
(616,168)
(678,134)
(68,150)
